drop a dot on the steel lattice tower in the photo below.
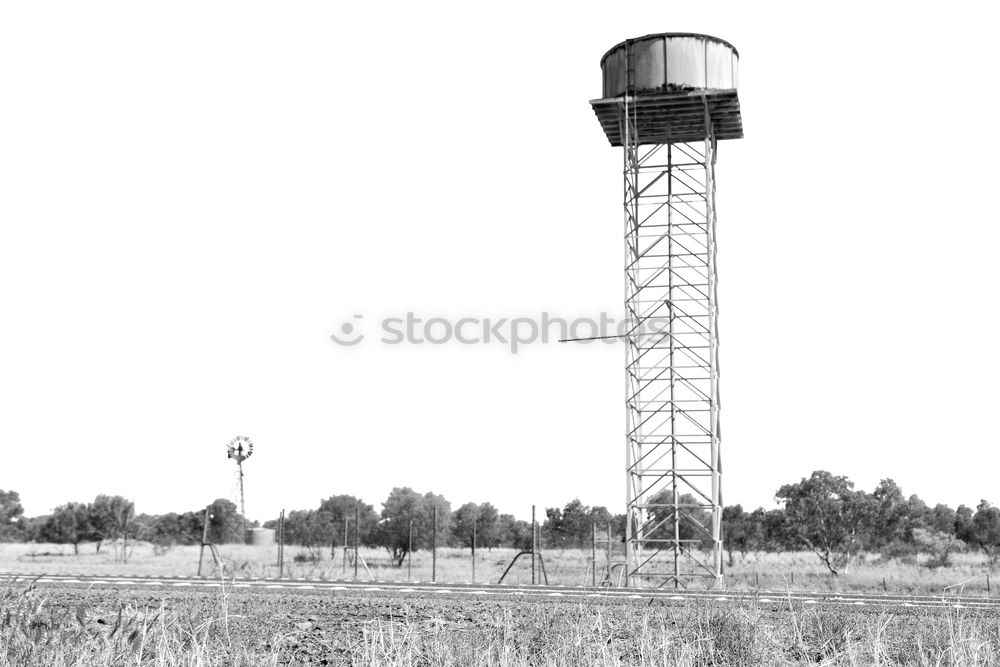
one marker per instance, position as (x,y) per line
(668,99)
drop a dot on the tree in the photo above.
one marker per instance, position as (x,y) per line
(486,519)
(937,544)
(225,524)
(601,517)
(825,514)
(308,528)
(337,508)
(576,524)
(943,519)
(11,511)
(776,531)
(431,502)
(694,527)
(552,530)
(576,527)
(69,524)
(983,531)
(573,525)
(325,526)
(109,517)
(890,516)
(191,527)
(918,517)
(514,533)
(403,505)
(963,520)
(488,532)
(166,530)
(465,525)
(741,531)
(32,529)
(618,527)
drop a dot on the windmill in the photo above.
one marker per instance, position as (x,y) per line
(239,449)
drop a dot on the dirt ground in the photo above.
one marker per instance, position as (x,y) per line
(318,627)
(351,627)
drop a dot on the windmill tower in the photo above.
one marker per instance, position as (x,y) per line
(667,100)
(240,449)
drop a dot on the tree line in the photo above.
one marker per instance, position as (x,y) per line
(111,519)
(822,513)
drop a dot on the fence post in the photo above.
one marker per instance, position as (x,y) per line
(345,546)
(541,562)
(593,554)
(409,551)
(533,545)
(474,551)
(434,547)
(204,539)
(281,545)
(609,555)
(357,529)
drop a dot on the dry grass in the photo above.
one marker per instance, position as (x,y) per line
(803,571)
(800,571)
(705,635)
(38,627)
(35,630)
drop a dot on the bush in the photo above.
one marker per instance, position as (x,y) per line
(901,550)
(940,546)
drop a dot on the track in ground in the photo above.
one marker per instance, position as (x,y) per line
(406,588)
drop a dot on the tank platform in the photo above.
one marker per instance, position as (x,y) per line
(676,117)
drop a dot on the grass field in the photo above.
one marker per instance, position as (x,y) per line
(797,571)
(81,626)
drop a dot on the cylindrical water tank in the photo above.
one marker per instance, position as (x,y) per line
(670,62)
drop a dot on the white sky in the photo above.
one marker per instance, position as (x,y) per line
(194,195)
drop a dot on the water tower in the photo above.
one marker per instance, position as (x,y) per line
(668,99)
